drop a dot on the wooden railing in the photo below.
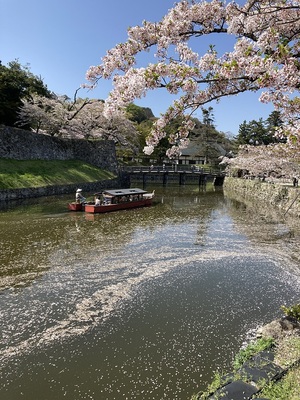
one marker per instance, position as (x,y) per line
(173,169)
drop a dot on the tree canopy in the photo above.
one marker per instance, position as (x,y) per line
(78,118)
(265,57)
(260,132)
(17,83)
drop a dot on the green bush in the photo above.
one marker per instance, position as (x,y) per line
(293,311)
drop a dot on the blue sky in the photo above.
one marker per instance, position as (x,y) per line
(61,39)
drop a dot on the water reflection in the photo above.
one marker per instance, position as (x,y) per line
(136,304)
(271,229)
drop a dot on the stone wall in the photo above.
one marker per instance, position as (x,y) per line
(24,145)
(283,198)
(123,180)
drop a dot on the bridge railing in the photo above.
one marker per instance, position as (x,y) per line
(173,169)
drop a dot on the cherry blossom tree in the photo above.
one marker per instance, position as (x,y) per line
(33,113)
(79,118)
(52,115)
(264,59)
(273,162)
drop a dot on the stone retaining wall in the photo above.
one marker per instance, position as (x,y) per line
(263,367)
(123,180)
(25,193)
(283,198)
(19,144)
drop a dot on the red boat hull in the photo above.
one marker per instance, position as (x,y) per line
(76,207)
(91,208)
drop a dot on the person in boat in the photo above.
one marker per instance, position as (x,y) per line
(98,201)
(79,196)
(107,199)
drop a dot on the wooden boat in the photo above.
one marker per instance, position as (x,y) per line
(114,200)
(76,206)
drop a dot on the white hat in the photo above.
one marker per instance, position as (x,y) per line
(78,190)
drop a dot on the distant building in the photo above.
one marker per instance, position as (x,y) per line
(201,153)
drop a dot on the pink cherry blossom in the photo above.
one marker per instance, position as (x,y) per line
(265,56)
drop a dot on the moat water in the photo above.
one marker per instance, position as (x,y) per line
(136,304)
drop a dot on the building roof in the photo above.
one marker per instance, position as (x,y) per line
(198,149)
(123,192)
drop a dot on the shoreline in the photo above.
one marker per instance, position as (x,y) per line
(263,368)
(267,367)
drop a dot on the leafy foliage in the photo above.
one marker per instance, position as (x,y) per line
(212,387)
(260,132)
(288,388)
(138,114)
(202,133)
(293,311)
(251,350)
(16,84)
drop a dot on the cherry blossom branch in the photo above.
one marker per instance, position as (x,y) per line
(265,56)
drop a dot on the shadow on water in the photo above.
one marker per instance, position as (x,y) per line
(142,303)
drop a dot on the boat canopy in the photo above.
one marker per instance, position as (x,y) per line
(122,192)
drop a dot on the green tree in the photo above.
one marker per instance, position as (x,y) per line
(259,132)
(160,151)
(274,121)
(138,114)
(17,83)
(244,134)
(208,116)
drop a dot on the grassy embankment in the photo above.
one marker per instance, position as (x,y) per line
(16,174)
(287,355)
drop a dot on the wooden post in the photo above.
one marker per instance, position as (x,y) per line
(165,178)
(201,179)
(144,178)
(181,178)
